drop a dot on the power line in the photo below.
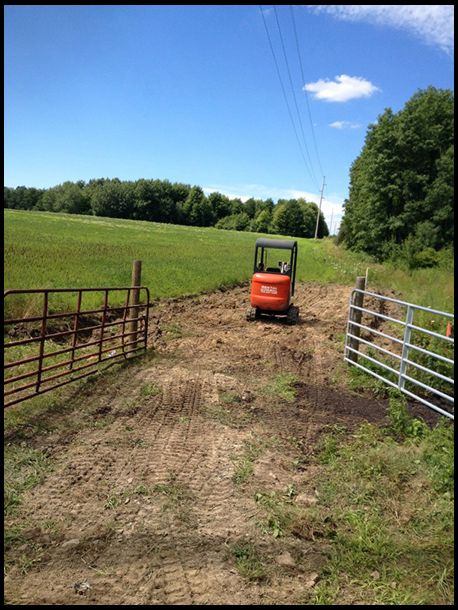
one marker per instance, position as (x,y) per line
(305,90)
(294,94)
(284,94)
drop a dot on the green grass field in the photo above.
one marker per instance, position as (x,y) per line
(46,250)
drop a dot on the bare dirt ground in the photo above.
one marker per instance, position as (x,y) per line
(151,497)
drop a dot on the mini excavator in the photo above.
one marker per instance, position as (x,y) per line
(272,288)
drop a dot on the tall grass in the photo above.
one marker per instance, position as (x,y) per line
(433,287)
(47,250)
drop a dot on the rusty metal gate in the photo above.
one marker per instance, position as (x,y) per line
(86,338)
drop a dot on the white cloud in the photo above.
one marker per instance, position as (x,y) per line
(432,23)
(331,206)
(342,89)
(226,190)
(344,125)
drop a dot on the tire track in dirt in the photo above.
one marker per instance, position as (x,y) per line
(313,405)
(198,470)
(165,583)
(165,580)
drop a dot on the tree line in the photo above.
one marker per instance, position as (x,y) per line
(167,202)
(400,203)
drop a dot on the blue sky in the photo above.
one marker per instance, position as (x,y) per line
(191,93)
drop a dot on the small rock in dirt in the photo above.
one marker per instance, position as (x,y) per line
(375,575)
(72,542)
(285,559)
(247,396)
(311,580)
(34,532)
(130,479)
(81,587)
(126,501)
(306,500)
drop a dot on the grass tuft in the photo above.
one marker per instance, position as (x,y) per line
(249,562)
(282,386)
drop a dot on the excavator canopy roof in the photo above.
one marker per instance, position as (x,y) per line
(286,244)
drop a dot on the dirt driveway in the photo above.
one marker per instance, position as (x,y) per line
(161,474)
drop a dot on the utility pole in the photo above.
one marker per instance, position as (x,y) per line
(319,210)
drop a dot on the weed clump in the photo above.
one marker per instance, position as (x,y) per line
(248,561)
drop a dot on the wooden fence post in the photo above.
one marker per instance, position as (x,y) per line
(135,299)
(355,316)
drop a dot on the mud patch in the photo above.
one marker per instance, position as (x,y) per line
(339,406)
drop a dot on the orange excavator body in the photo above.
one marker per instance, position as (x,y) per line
(270,291)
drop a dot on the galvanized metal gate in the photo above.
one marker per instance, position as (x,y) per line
(87,336)
(396,353)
